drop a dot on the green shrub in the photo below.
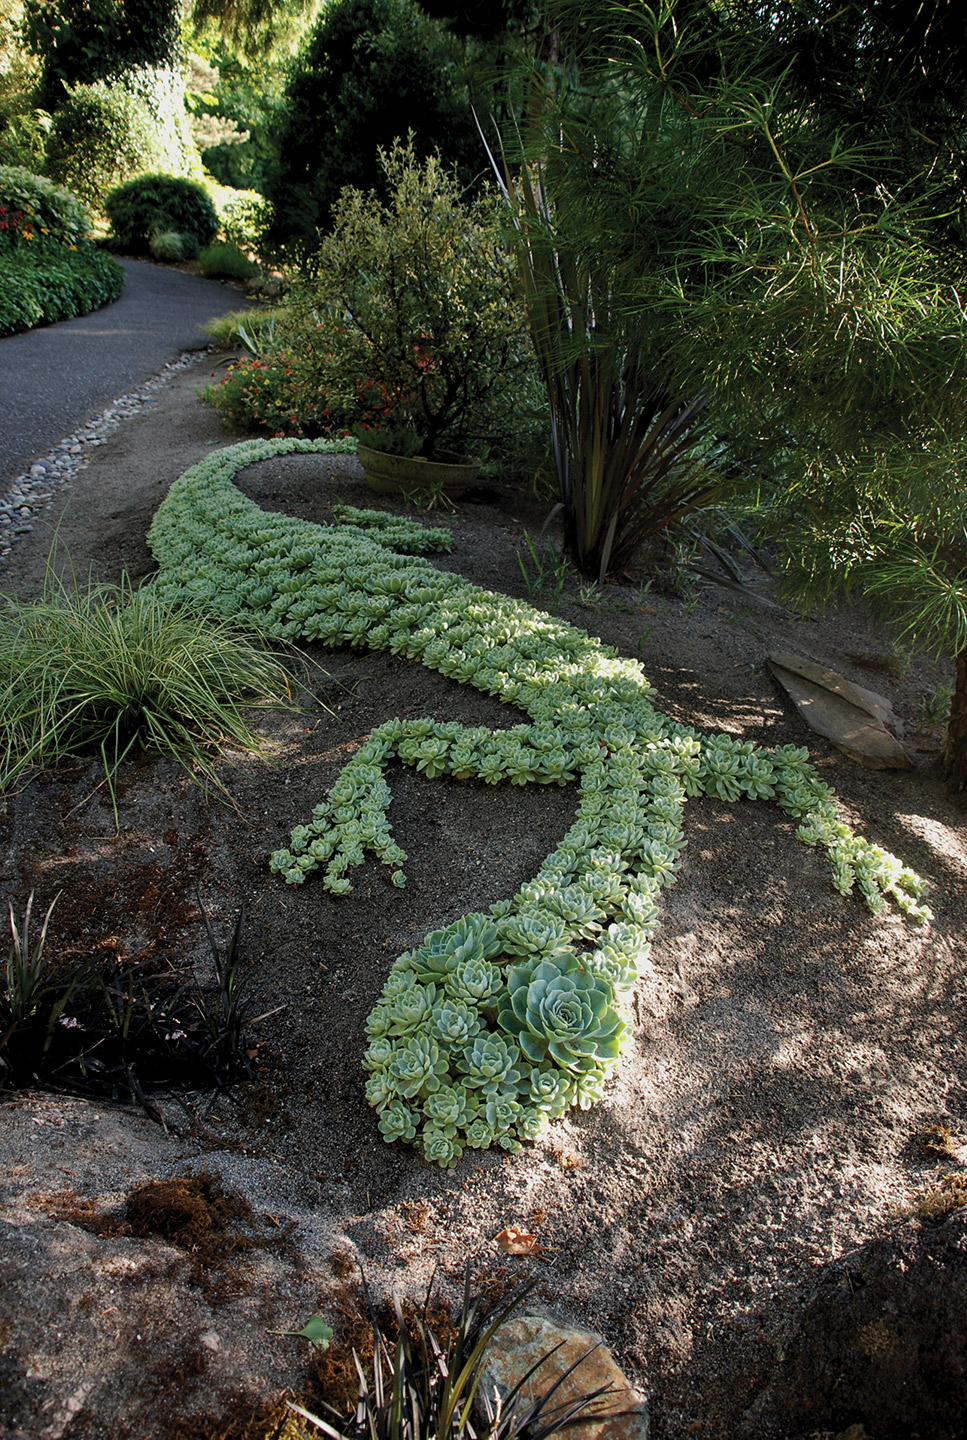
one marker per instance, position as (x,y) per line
(162,90)
(271,396)
(31,204)
(371,72)
(244,215)
(101,135)
(23,127)
(42,281)
(412,318)
(223,261)
(155,203)
(23,138)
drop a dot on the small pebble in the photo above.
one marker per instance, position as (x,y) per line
(32,492)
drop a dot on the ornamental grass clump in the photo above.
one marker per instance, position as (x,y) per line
(108,669)
(430,1388)
(499,1022)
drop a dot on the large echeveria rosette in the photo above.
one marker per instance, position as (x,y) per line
(562,1015)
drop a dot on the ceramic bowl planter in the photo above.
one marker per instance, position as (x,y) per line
(404,474)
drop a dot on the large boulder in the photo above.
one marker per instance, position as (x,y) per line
(881,1344)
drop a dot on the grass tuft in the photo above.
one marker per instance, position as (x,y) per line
(427,1384)
(110,669)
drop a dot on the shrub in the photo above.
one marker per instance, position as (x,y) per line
(111,668)
(101,135)
(23,128)
(154,203)
(23,139)
(270,395)
(43,282)
(32,204)
(224,261)
(411,320)
(244,215)
(372,71)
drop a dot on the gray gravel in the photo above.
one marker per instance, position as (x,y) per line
(56,379)
(32,491)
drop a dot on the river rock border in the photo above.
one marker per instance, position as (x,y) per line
(31,493)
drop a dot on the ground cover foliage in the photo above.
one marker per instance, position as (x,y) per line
(500,1021)
(49,270)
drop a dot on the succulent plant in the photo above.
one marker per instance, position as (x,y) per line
(455,1022)
(550,1090)
(440,1148)
(533,934)
(451,1108)
(476,982)
(501,1109)
(556,1010)
(398,1122)
(489,1063)
(494,1024)
(415,1067)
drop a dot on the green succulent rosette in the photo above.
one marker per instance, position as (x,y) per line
(557,1011)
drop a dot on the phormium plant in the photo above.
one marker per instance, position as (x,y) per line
(423,1389)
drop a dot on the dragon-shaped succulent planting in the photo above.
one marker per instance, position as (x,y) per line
(499,1022)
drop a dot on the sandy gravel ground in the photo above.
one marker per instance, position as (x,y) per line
(789,1051)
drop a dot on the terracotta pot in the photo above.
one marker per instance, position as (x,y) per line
(401,474)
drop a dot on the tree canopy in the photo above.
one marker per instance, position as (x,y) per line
(772,195)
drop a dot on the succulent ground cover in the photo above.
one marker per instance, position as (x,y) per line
(501,1021)
(783,1055)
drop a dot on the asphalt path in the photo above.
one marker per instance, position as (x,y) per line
(56,377)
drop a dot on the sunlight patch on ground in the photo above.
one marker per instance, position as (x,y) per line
(943,838)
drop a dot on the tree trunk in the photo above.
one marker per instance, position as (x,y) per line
(955,751)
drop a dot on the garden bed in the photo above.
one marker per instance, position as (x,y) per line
(790,1049)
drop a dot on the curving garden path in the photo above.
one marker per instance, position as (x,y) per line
(54,378)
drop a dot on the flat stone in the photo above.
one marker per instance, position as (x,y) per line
(528,1339)
(859,722)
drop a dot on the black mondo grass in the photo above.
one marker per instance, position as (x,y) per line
(424,1390)
(112,668)
(122,1029)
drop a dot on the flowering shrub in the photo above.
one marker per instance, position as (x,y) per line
(12,224)
(33,207)
(411,317)
(49,270)
(268,395)
(42,282)
(496,1024)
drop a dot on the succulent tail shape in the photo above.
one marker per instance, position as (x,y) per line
(499,1022)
